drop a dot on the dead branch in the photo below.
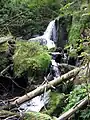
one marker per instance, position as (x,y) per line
(6,69)
(5,39)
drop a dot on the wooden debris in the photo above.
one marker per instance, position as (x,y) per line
(41,89)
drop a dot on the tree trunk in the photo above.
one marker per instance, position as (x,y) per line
(5,39)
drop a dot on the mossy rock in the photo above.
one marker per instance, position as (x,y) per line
(54,107)
(36,116)
(30,57)
(3,58)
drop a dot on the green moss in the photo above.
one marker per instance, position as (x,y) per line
(81,20)
(30,57)
(3,47)
(36,116)
(4,113)
(54,108)
(74,33)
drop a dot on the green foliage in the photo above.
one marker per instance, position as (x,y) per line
(3,47)
(79,27)
(76,95)
(27,17)
(85,114)
(30,57)
(75,32)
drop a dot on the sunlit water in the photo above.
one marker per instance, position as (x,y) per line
(49,36)
(48,39)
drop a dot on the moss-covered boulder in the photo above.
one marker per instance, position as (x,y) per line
(36,116)
(30,57)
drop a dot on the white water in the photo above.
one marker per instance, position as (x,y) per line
(50,32)
(49,37)
(35,104)
(55,69)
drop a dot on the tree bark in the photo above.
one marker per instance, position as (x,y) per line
(67,66)
(41,89)
(5,39)
(73,109)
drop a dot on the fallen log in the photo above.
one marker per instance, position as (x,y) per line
(41,89)
(5,39)
(71,111)
(67,66)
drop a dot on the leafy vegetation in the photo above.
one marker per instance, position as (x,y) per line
(85,114)
(27,17)
(76,95)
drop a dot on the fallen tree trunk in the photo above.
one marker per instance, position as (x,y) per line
(67,66)
(46,86)
(5,39)
(73,109)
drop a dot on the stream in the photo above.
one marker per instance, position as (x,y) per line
(48,38)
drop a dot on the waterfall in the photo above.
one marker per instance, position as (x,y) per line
(55,69)
(50,32)
(49,37)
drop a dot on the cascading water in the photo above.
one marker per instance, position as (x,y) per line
(54,71)
(50,32)
(49,36)
(48,39)
(35,104)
